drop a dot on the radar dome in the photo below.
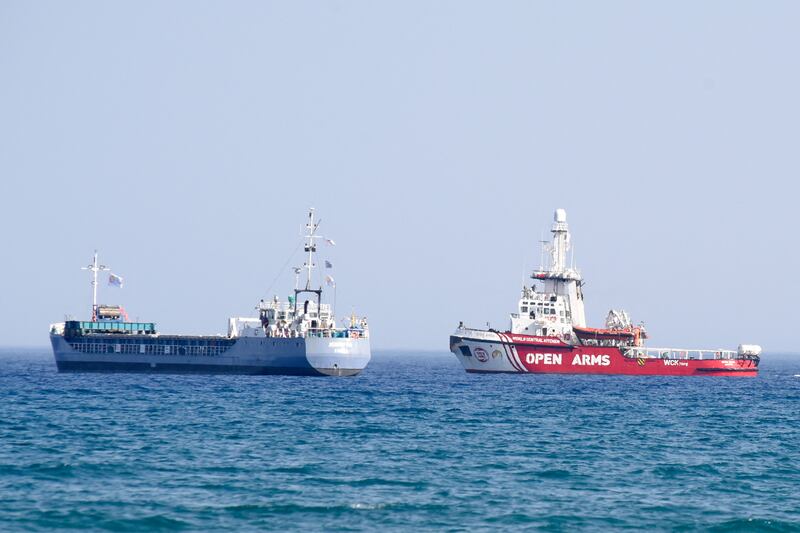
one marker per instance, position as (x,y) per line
(560,216)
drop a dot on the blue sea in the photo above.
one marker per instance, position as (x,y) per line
(413,443)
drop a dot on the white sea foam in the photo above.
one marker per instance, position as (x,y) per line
(367,506)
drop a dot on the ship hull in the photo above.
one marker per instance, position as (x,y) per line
(314,356)
(495,352)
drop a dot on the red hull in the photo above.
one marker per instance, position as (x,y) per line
(549,355)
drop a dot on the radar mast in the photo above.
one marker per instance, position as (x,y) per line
(310,248)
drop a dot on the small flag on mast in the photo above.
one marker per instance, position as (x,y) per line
(328,264)
(114,280)
(329,281)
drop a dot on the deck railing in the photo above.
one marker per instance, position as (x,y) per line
(631,351)
(677,353)
(339,333)
(479,334)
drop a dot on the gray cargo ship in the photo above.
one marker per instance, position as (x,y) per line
(298,336)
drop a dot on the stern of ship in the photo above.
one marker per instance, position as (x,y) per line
(336,356)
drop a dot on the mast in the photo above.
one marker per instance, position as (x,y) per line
(559,277)
(94,268)
(310,247)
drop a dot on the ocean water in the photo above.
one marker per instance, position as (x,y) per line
(414,443)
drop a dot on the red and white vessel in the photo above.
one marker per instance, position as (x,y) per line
(548,334)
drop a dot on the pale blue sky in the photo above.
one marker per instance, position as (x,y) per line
(186,140)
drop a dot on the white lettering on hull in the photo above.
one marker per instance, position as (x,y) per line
(586,359)
(579,359)
(543,358)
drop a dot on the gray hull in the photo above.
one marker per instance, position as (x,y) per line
(313,356)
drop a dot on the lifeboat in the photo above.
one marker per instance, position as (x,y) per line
(604,334)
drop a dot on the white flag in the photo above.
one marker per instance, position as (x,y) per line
(329,281)
(114,280)
(328,264)
(330,241)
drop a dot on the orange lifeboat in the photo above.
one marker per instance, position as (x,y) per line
(627,335)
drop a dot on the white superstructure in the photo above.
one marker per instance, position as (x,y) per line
(556,305)
(304,313)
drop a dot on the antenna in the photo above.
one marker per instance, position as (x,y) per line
(544,245)
(523,271)
(94,268)
(297,271)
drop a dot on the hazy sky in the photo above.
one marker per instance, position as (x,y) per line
(186,140)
